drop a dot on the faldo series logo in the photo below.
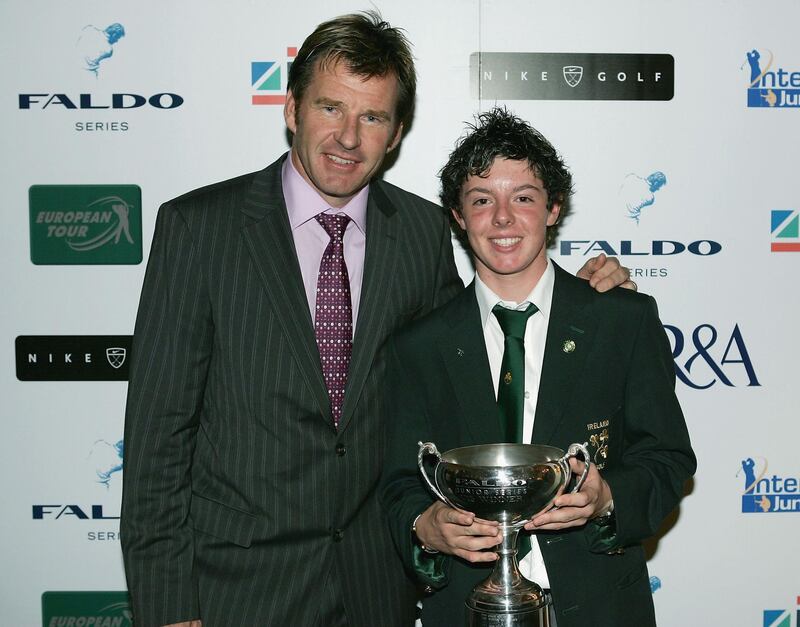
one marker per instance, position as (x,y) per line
(268,79)
(104,463)
(639,192)
(94,47)
(770,85)
(107,460)
(86,609)
(571,76)
(85,224)
(641,196)
(765,493)
(73,357)
(656,251)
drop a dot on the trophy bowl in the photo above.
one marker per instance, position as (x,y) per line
(510,484)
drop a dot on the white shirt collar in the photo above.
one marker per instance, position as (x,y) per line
(541,296)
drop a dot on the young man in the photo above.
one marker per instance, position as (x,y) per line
(254,429)
(528,353)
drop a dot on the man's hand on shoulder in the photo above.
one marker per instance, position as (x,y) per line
(604,272)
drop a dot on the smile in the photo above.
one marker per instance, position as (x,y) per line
(339,160)
(506,242)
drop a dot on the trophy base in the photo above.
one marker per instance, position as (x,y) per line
(534,617)
(522,605)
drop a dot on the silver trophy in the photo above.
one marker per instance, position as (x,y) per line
(510,484)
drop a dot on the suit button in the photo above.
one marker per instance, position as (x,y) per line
(338,534)
(341,449)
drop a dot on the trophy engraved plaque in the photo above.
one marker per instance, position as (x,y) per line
(510,484)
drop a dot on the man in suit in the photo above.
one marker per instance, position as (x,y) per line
(528,353)
(254,429)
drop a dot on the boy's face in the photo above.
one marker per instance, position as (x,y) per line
(505,216)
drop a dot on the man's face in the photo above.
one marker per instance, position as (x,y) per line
(343,128)
(505,216)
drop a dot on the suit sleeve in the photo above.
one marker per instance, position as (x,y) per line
(402,491)
(171,352)
(448,282)
(657,457)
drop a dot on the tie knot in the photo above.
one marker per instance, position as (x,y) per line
(513,321)
(334,225)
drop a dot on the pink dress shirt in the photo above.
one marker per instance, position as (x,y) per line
(303,203)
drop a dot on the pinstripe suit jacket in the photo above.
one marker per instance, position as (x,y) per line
(242,505)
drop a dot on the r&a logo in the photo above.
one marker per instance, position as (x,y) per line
(713,368)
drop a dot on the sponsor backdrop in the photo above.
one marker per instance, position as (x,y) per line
(679,120)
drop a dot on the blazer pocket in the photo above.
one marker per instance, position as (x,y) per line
(632,577)
(221,521)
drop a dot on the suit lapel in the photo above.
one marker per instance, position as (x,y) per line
(379,267)
(269,240)
(569,339)
(463,351)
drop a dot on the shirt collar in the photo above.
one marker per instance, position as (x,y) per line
(541,296)
(303,202)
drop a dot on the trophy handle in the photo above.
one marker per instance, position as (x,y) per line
(573,451)
(429,448)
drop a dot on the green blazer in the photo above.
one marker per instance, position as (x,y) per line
(615,390)
(242,505)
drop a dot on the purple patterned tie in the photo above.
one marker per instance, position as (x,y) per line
(333,317)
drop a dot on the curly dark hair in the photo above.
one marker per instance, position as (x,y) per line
(500,133)
(367,45)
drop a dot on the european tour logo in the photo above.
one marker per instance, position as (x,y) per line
(85,224)
(86,608)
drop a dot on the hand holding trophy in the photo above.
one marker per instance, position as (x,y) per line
(509,484)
